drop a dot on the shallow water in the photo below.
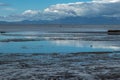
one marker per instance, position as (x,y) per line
(36,42)
(92,56)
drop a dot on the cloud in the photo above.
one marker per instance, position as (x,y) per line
(38,15)
(112,1)
(94,8)
(4,8)
(3,4)
(30,12)
(8,9)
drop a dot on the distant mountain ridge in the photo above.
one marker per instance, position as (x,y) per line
(71,20)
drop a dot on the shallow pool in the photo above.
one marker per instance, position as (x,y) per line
(58,42)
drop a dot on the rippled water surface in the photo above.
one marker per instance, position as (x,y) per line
(36,42)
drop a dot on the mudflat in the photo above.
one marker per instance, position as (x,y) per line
(56,66)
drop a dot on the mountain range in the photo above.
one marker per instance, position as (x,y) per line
(70,20)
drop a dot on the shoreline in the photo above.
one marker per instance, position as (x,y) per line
(56,27)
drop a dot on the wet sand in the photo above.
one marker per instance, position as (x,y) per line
(56,66)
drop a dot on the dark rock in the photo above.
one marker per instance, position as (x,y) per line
(114,32)
(23,65)
(2,32)
(111,75)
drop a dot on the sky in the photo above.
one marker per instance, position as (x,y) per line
(18,10)
(18,6)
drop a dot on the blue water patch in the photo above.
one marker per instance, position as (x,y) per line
(60,46)
(65,45)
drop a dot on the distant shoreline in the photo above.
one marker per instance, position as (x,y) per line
(57,27)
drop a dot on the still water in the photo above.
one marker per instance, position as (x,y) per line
(36,42)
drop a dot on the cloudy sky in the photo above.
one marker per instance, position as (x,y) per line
(17,10)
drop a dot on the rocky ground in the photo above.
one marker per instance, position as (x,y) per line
(72,66)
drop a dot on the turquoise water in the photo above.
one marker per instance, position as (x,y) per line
(70,43)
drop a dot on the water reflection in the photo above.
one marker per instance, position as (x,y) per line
(93,44)
(56,45)
(60,46)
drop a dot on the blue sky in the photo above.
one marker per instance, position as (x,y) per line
(18,6)
(18,10)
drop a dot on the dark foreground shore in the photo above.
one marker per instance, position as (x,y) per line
(72,66)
